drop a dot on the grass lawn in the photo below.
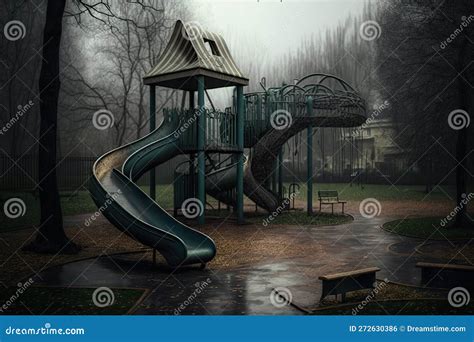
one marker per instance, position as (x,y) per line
(394,299)
(80,202)
(76,203)
(66,301)
(380,192)
(427,227)
(401,307)
(297,217)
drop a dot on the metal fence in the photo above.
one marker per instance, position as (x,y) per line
(73,173)
(21,173)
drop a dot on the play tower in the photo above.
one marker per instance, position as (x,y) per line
(262,122)
(193,61)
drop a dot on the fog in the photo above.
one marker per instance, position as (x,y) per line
(262,32)
(276,26)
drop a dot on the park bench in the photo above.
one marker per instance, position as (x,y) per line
(330,197)
(446,275)
(341,283)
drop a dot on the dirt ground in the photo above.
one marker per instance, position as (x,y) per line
(238,245)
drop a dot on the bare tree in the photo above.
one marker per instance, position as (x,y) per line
(51,237)
(425,56)
(125,51)
(19,74)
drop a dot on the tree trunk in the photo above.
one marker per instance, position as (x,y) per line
(462,220)
(51,237)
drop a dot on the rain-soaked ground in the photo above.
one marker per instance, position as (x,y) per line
(247,289)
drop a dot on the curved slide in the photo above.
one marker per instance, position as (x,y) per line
(132,211)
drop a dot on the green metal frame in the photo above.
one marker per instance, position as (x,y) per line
(240,143)
(309,158)
(201,144)
(152,128)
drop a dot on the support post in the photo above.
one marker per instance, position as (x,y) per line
(309,158)
(191,100)
(191,170)
(201,145)
(274,175)
(240,165)
(152,128)
(280,173)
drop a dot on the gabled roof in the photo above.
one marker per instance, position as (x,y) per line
(190,52)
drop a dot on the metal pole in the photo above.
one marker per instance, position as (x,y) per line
(274,175)
(309,157)
(191,170)
(240,144)
(201,144)
(152,128)
(280,173)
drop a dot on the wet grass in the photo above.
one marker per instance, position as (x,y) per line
(66,301)
(72,203)
(286,217)
(401,307)
(80,202)
(356,192)
(428,228)
(394,299)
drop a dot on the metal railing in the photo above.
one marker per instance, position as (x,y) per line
(221,128)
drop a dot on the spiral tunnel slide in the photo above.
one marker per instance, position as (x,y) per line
(317,100)
(131,210)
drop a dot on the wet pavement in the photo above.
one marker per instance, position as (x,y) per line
(247,290)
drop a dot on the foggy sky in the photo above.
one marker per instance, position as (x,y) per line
(267,29)
(275,26)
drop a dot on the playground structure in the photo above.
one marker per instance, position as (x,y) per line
(262,122)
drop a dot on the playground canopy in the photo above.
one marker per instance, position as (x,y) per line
(192,52)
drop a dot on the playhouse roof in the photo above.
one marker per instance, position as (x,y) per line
(192,51)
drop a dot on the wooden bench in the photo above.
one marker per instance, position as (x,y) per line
(446,275)
(341,283)
(330,197)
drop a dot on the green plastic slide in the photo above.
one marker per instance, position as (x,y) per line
(132,211)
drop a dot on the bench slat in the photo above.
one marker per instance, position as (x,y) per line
(328,193)
(349,273)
